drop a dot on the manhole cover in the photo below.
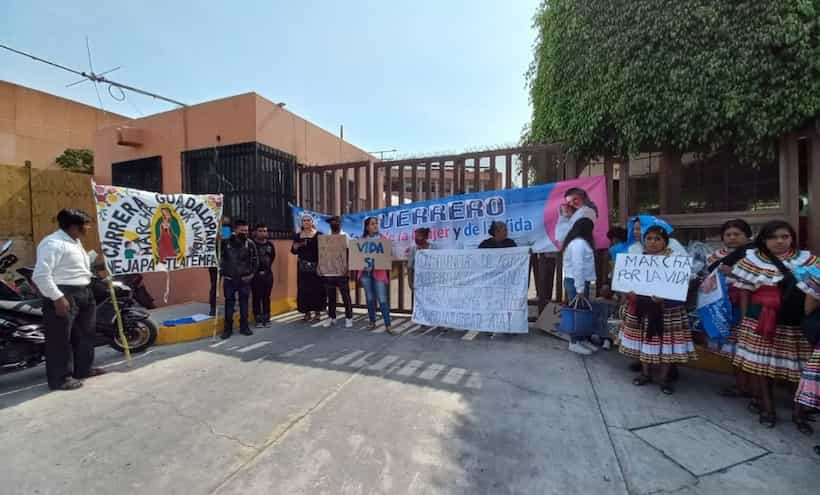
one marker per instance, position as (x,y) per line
(699,445)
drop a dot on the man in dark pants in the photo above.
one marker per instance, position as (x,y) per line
(63,276)
(239,264)
(225,233)
(340,281)
(263,280)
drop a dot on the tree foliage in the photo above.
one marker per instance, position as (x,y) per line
(623,76)
(77,160)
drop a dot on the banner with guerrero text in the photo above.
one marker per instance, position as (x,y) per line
(143,231)
(538,217)
(483,290)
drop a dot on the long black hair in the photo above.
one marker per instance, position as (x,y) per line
(367,220)
(736,223)
(577,191)
(582,229)
(738,254)
(788,284)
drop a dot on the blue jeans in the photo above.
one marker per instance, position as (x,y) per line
(569,286)
(233,288)
(375,289)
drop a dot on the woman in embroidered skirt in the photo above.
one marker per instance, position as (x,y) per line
(736,235)
(770,343)
(808,391)
(656,331)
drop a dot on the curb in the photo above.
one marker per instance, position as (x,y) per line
(205,329)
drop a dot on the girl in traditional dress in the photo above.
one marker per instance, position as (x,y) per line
(656,331)
(808,391)
(310,289)
(736,235)
(770,343)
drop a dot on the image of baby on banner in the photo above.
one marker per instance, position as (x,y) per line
(714,308)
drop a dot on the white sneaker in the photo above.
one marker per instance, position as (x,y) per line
(329,323)
(577,348)
(348,323)
(607,344)
(589,345)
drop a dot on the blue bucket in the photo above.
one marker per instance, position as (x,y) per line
(576,319)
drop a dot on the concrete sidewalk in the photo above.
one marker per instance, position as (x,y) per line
(300,409)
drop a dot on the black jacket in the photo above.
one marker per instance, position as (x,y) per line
(267,253)
(239,259)
(491,243)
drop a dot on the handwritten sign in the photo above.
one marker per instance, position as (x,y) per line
(333,255)
(666,277)
(370,254)
(483,290)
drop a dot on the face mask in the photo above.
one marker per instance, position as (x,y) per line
(226,231)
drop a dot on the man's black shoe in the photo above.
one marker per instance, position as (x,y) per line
(246,331)
(69,384)
(226,335)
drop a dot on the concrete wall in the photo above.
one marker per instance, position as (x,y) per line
(238,119)
(38,127)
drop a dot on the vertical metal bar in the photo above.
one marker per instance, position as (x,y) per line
(493,171)
(442,178)
(357,185)
(462,179)
(525,168)
(428,184)
(370,192)
(343,192)
(388,186)
(477,176)
(508,177)
(414,177)
(401,184)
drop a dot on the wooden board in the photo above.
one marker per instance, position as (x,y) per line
(333,255)
(370,254)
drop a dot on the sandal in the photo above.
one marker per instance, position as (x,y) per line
(641,380)
(768,420)
(317,317)
(802,425)
(667,388)
(754,407)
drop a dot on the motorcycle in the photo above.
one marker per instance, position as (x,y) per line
(22,337)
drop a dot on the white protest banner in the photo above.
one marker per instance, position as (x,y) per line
(143,231)
(476,289)
(666,277)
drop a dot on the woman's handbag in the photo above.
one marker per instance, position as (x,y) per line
(577,318)
(306,266)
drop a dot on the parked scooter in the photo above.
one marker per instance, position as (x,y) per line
(22,341)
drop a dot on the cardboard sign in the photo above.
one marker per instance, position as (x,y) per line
(333,255)
(370,254)
(483,290)
(666,277)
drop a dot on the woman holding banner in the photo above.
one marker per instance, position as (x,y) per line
(770,343)
(376,283)
(310,292)
(656,331)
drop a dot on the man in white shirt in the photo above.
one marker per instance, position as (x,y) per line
(63,276)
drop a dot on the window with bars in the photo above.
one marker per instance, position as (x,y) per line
(144,174)
(258,182)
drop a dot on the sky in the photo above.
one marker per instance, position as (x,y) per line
(422,77)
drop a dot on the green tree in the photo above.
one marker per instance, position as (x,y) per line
(622,76)
(77,160)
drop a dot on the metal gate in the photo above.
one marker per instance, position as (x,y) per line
(361,186)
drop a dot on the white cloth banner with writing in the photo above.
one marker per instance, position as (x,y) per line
(475,289)
(143,231)
(666,277)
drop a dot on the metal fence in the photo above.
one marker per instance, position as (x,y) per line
(258,182)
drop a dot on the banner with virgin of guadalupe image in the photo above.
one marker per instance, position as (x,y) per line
(143,231)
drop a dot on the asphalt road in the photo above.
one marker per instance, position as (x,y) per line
(301,409)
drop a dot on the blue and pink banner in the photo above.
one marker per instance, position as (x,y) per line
(538,217)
